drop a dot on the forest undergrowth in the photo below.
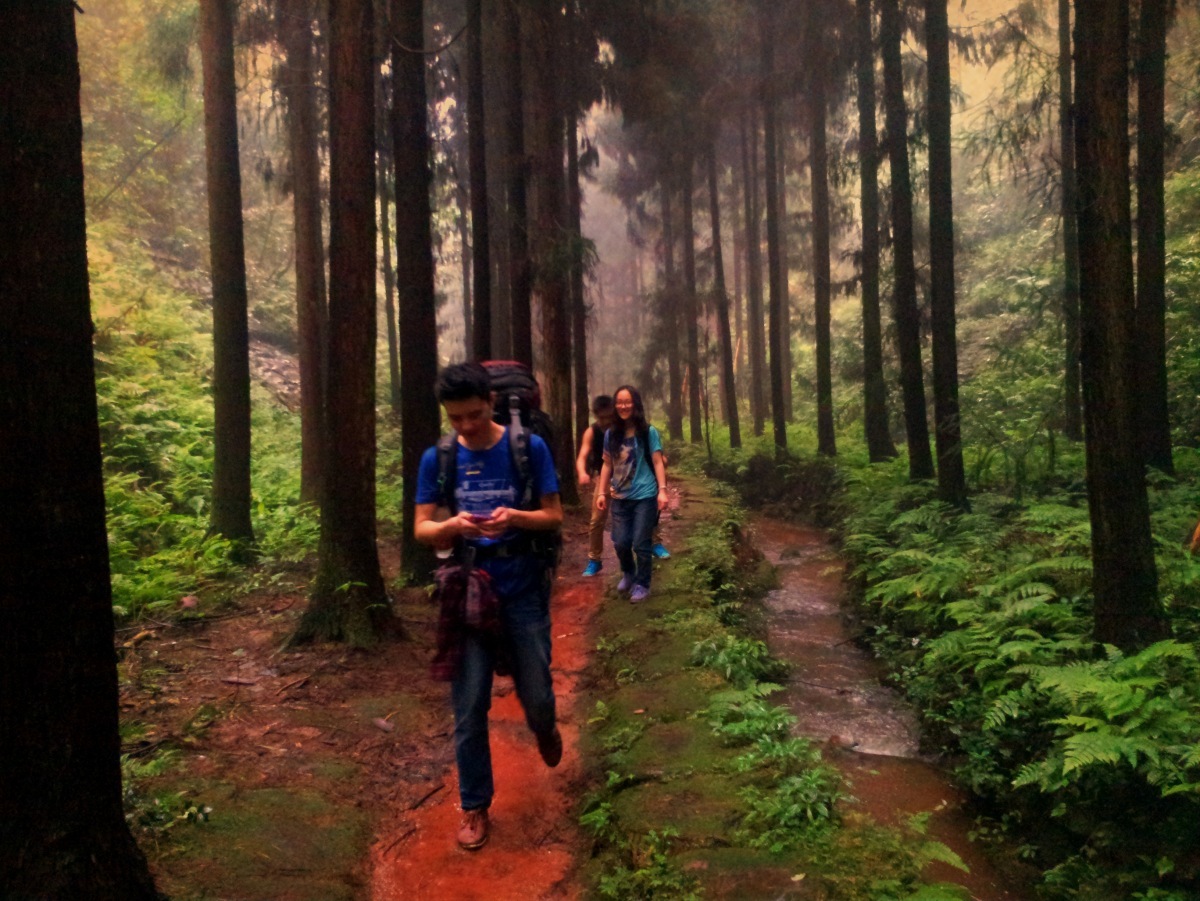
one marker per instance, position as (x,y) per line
(1084,756)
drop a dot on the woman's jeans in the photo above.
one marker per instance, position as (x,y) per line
(527,624)
(633,525)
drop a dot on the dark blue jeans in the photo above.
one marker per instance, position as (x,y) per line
(527,625)
(633,525)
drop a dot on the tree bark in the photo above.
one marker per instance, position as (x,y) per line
(904,291)
(420,415)
(300,93)
(578,297)
(875,409)
(785,288)
(520,267)
(481,264)
(389,272)
(774,268)
(670,312)
(231,332)
(553,281)
(952,481)
(819,170)
(1072,397)
(754,296)
(348,600)
(62,829)
(1150,341)
(690,301)
(1125,581)
(728,384)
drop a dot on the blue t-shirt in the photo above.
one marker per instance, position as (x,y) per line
(633,476)
(485,480)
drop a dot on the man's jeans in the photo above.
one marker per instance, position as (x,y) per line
(527,624)
(633,525)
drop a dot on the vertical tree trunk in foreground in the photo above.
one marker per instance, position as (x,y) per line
(904,291)
(1150,341)
(1072,397)
(819,169)
(785,286)
(774,269)
(1124,577)
(62,829)
(690,301)
(348,600)
(548,181)
(420,415)
(875,410)
(481,262)
(300,92)
(754,295)
(231,332)
(520,267)
(728,385)
(952,480)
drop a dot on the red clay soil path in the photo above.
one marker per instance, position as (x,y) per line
(535,838)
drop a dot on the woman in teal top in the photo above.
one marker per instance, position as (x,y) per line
(634,476)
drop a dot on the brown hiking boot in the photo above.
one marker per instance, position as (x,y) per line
(473,833)
(550,747)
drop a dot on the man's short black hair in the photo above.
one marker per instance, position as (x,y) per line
(462,381)
(602,403)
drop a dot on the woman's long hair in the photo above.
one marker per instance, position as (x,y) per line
(641,427)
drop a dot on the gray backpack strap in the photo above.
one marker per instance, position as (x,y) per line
(447,455)
(518,442)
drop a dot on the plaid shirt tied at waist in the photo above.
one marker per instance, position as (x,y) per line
(467,604)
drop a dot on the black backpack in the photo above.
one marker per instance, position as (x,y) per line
(517,405)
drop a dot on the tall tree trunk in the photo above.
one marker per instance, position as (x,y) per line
(520,267)
(463,222)
(578,298)
(497,91)
(553,281)
(904,292)
(1125,580)
(754,296)
(348,600)
(1072,397)
(670,312)
(875,409)
(414,268)
(952,481)
(739,297)
(819,169)
(728,385)
(481,265)
(389,273)
(774,268)
(785,288)
(62,829)
(1150,341)
(691,302)
(300,91)
(231,331)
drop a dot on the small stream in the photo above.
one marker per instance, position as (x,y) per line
(834,691)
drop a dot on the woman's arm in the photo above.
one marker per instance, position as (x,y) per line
(660,473)
(605,481)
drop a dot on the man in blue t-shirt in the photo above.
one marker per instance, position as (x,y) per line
(486,520)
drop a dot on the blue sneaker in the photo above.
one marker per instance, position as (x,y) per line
(626,582)
(660,551)
(593,568)
(639,594)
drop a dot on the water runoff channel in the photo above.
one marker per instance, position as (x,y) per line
(835,693)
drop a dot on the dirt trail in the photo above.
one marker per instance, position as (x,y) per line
(534,839)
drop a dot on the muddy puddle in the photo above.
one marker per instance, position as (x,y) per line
(834,690)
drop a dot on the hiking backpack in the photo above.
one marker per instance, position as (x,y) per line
(517,404)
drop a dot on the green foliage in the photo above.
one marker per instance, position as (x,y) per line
(652,873)
(742,661)
(149,813)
